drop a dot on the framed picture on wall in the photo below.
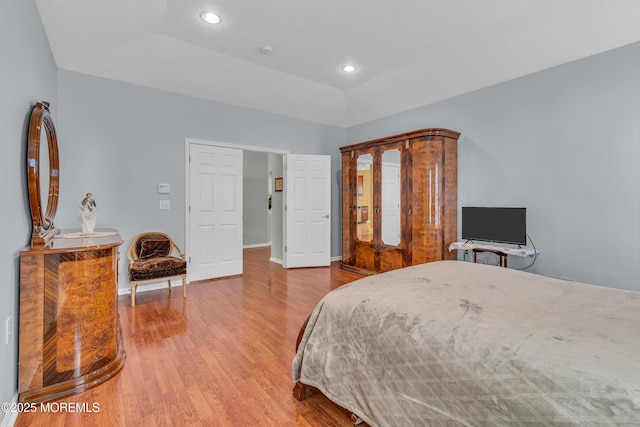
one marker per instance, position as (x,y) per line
(278,184)
(360,185)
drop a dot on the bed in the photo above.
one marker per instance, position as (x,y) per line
(456,343)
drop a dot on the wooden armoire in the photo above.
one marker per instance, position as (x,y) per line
(399,200)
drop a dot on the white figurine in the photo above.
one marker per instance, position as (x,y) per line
(87,214)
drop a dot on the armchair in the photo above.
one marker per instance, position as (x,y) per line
(151,260)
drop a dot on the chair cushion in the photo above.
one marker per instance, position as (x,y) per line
(154,248)
(156,268)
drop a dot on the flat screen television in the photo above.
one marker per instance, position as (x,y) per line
(501,225)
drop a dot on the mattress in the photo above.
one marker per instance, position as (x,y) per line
(453,343)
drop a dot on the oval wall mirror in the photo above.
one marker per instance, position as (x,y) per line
(43,174)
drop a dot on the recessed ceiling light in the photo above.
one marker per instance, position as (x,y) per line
(210,17)
(349,68)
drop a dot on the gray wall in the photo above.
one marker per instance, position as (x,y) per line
(122,140)
(256,220)
(565,144)
(27,75)
(277,212)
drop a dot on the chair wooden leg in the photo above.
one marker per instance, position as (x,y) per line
(133,294)
(169,281)
(184,287)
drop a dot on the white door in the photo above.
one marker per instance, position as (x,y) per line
(214,244)
(307,195)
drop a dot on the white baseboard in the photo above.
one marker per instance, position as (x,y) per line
(279,261)
(177,282)
(10,418)
(150,287)
(568,279)
(256,245)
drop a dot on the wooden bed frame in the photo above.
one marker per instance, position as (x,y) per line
(302,391)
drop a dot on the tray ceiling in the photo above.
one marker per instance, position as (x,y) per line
(408,53)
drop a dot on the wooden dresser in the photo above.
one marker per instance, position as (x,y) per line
(399,200)
(70,336)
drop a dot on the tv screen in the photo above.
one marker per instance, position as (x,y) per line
(502,225)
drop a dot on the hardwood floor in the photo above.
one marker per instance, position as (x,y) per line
(220,357)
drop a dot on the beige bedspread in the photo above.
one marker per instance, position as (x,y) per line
(455,343)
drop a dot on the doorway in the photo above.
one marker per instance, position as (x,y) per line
(262,202)
(206,256)
(214,174)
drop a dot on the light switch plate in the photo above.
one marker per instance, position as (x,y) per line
(164,188)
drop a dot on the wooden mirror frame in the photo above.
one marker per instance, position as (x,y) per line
(43,229)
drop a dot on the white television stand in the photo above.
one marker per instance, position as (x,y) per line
(502,251)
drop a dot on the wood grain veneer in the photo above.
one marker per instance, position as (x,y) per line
(69,328)
(428,201)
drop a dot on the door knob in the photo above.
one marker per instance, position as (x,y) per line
(326,216)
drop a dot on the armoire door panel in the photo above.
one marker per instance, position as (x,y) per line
(420,196)
(390,258)
(348,201)
(364,256)
(450,195)
(434,223)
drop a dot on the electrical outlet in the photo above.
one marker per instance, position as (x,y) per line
(165,204)
(8,330)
